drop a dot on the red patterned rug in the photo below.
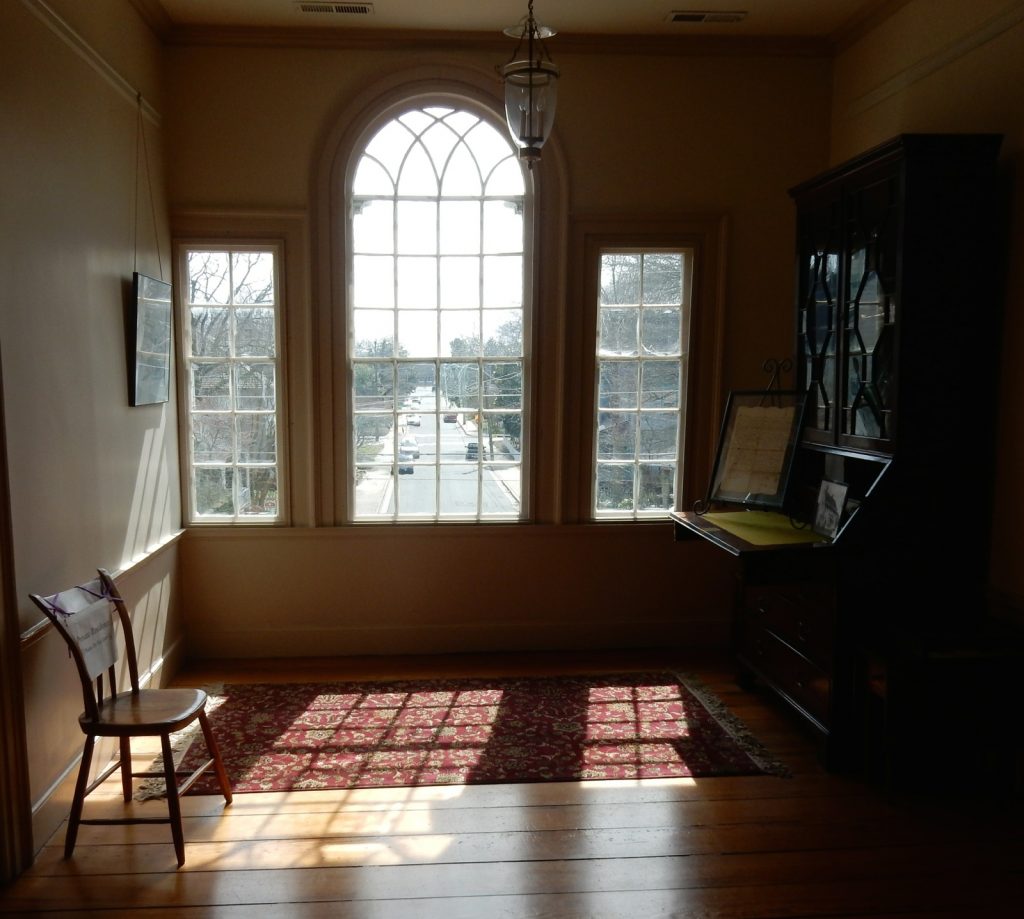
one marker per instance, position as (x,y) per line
(284,737)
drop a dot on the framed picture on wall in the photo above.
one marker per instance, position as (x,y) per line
(149,368)
(756,447)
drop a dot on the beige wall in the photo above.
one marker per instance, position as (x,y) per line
(964,73)
(93,481)
(639,135)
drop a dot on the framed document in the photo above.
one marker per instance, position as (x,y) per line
(756,447)
(831,502)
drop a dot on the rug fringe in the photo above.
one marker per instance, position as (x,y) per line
(155,787)
(734,726)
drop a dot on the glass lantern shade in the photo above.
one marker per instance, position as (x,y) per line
(531,91)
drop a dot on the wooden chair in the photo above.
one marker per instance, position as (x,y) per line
(83,616)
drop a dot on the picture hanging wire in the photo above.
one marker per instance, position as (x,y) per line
(140,135)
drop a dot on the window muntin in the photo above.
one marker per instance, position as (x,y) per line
(231,347)
(436,317)
(641,343)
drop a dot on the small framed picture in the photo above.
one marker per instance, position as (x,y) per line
(831,502)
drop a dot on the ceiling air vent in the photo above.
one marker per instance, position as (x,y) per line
(349,9)
(705,16)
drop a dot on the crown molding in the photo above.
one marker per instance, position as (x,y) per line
(408,39)
(154,15)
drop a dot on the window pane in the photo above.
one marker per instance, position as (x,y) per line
(417,283)
(503,333)
(414,383)
(503,385)
(503,227)
(208,278)
(374,333)
(503,281)
(458,495)
(661,330)
(620,279)
(501,433)
(617,384)
(657,487)
(373,227)
(663,278)
(257,493)
(460,333)
(460,227)
(417,227)
(660,384)
(460,282)
(506,179)
(615,487)
(374,386)
(255,387)
(373,281)
(417,333)
(257,439)
(209,331)
(252,277)
(389,146)
(618,333)
(460,385)
(372,179)
(214,491)
(417,492)
(616,435)
(213,439)
(502,487)
(658,435)
(255,335)
(371,438)
(211,387)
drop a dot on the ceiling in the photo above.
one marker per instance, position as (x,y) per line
(794,18)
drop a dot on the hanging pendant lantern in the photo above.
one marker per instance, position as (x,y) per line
(531,88)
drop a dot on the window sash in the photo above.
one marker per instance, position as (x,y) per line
(641,339)
(232,383)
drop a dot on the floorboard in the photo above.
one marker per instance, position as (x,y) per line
(808,845)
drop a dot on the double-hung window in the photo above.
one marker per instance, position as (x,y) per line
(231,343)
(641,346)
(437,320)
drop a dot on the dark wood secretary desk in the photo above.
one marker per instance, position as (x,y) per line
(897,346)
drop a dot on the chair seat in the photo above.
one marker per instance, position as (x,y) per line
(152,711)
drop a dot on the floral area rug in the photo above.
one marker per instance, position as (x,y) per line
(285,737)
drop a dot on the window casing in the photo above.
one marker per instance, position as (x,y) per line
(437,319)
(641,345)
(231,345)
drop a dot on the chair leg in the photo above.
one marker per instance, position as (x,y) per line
(173,805)
(79,799)
(126,769)
(214,751)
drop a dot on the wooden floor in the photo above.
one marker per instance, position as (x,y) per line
(810,845)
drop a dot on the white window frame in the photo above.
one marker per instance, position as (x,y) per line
(636,513)
(185,383)
(529,243)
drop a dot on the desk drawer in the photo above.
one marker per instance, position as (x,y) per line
(802,615)
(805,683)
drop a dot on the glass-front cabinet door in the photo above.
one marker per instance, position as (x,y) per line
(820,230)
(869,308)
(847,309)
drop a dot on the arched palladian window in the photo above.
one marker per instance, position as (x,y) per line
(436,318)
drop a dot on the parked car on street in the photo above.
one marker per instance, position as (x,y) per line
(473,450)
(449,417)
(411,446)
(413,420)
(405,466)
